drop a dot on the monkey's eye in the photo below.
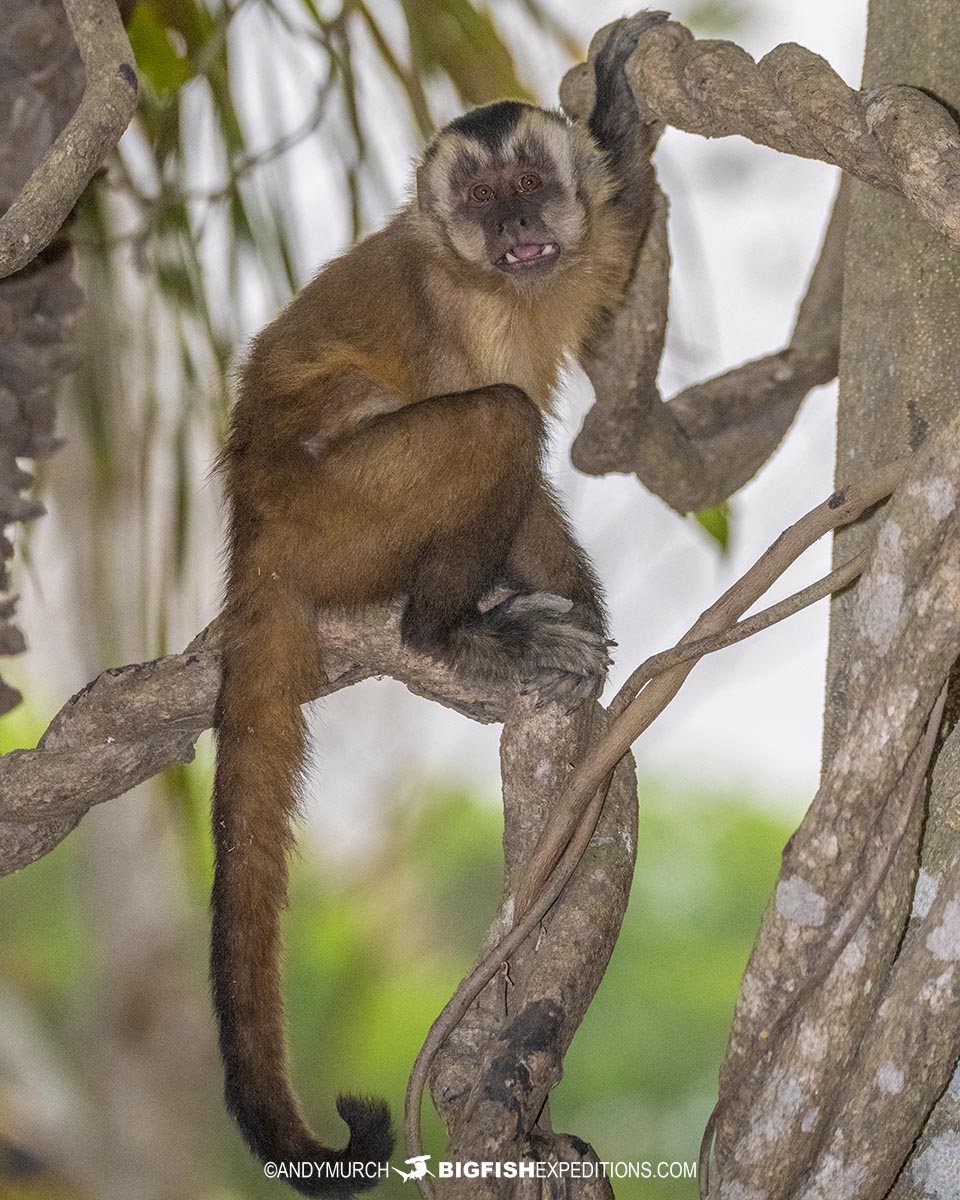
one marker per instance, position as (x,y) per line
(482,193)
(529,183)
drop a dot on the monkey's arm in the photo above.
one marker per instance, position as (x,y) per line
(352,399)
(618,125)
(356,400)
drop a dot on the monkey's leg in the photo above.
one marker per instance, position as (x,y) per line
(481,451)
(438,493)
(356,400)
(546,557)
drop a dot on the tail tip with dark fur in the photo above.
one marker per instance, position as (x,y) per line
(371,1130)
(313,1170)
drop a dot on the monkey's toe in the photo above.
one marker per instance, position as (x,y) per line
(531,605)
(567,647)
(628,29)
(562,687)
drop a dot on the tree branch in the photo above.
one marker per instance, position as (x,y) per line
(634,715)
(901,1064)
(932,1166)
(712,438)
(131,722)
(792,100)
(40,86)
(689,651)
(565,838)
(709,440)
(106,109)
(492,1076)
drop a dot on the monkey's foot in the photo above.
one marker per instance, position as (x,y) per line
(561,661)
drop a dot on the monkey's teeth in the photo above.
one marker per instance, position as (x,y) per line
(545,251)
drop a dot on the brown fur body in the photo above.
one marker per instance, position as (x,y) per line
(387,442)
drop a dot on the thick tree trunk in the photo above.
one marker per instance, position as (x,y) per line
(900,382)
(900,342)
(847,1027)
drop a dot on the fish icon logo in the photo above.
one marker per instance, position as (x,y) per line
(418,1168)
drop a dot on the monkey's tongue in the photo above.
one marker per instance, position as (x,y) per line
(524,253)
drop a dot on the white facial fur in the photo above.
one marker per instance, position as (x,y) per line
(576,165)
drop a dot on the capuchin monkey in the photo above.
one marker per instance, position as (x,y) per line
(387,443)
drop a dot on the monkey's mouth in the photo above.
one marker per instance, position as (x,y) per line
(529,258)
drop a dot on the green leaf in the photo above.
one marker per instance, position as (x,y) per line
(157,59)
(175,280)
(191,21)
(716,521)
(455,38)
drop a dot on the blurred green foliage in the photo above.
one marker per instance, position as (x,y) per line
(373,953)
(716,18)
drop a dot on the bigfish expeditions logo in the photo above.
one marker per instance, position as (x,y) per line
(472,1169)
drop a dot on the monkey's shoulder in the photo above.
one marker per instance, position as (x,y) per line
(360,316)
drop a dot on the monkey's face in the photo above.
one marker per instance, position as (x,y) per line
(502,186)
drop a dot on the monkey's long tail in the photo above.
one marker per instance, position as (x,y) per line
(270,661)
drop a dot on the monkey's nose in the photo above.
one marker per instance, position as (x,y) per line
(519,222)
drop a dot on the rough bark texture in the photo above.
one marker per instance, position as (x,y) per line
(67,91)
(41,81)
(900,359)
(900,382)
(838,1103)
(710,439)
(493,1076)
(131,722)
(792,1086)
(43,201)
